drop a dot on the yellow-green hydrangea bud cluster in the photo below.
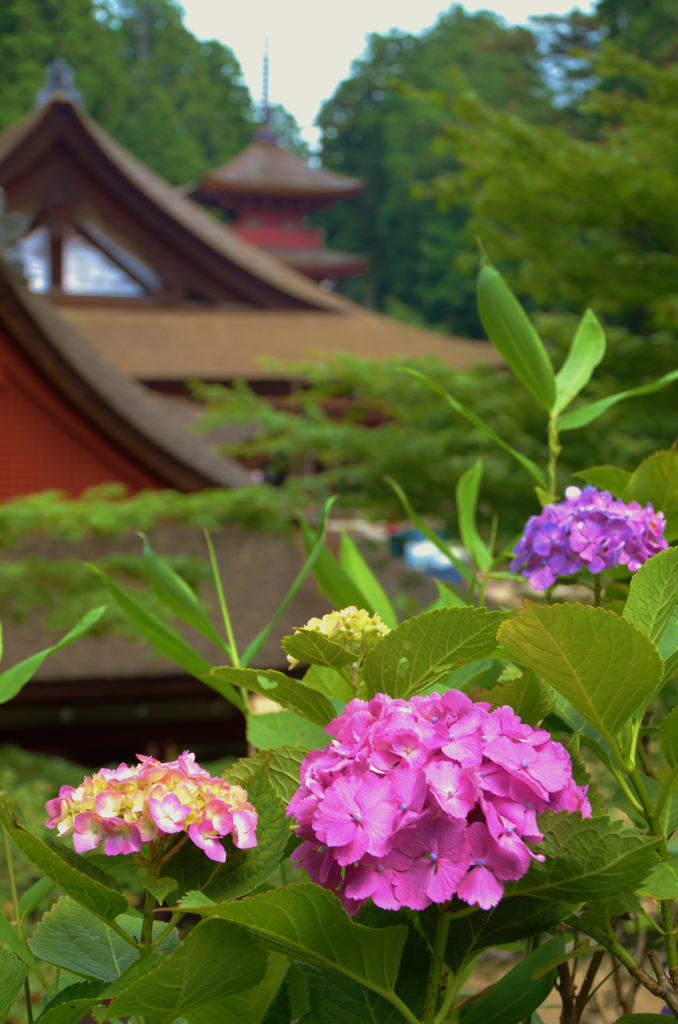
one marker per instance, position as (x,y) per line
(353,628)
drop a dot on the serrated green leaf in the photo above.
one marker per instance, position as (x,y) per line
(656,481)
(587,859)
(12,680)
(466,491)
(604,666)
(243,870)
(291,693)
(34,896)
(425,649)
(12,977)
(653,594)
(309,925)
(251,1006)
(588,413)
(159,887)
(662,883)
(72,1004)
(355,566)
(668,646)
(70,937)
(509,329)
(217,958)
(177,596)
(606,478)
(515,996)
(283,765)
(668,738)
(529,696)
(92,888)
(308,645)
(278,728)
(586,352)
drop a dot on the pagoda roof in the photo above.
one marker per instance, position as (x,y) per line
(265,168)
(97,163)
(107,405)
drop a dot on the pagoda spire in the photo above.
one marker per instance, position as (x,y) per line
(60,78)
(267,132)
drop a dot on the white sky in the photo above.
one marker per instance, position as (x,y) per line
(311,43)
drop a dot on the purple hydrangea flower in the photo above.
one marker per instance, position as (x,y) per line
(588,530)
(416,801)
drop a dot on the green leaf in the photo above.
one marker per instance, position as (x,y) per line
(582,948)
(582,777)
(653,594)
(668,738)
(283,766)
(509,329)
(316,549)
(430,534)
(604,666)
(447,598)
(515,996)
(308,924)
(72,1004)
(164,639)
(12,680)
(357,568)
(587,859)
(656,481)
(425,649)
(586,352)
(10,937)
(92,888)
(34,896)
(467,490)
(335,583)
(336,999)
(12,977)
(606,478)
(529,696)
(177,596)
(668,646)
(244,870)
(284,727)
(317,649)
(251,1006)
(587,413)
(70,937)
(328,681)
(159,887)
(668,819)
(278,687)
(662,883)
(216,959)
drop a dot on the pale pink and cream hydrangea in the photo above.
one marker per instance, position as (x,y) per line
(126,807)
(417,801)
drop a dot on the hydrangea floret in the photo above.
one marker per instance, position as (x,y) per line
(127,807)
(591,530)
(353,628)
(416,801)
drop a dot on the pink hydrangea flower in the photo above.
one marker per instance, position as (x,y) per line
(126,807)
(416,801)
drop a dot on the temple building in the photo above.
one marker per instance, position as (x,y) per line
(161,288)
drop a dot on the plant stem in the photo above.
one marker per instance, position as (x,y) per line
(17,916)
(175,849)
(437,961)
(554,452)
(596,590)
(27,997)
(172,923)
(235,657)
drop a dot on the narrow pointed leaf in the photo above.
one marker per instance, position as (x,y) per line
(586,352)
(34,896)
(276,686)
(89,886)
(604,666)
(335,583)
(468,414)
(508,327)
(518,994)
(653,594)
(357,568)
(254,647)
(12,680)
(467,490)
(444,548)
(10,937)
(588,413)
(424,650)
(177,596)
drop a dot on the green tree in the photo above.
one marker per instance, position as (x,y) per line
(376,126)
